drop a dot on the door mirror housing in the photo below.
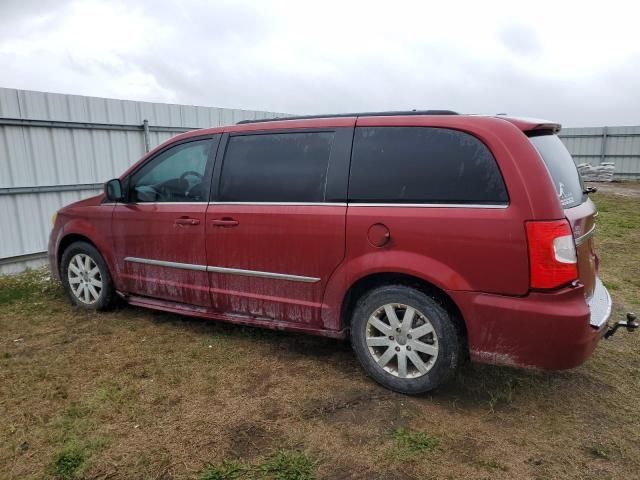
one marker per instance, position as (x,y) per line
(113,190)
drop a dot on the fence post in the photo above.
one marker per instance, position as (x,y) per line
(603,146)
(147,140)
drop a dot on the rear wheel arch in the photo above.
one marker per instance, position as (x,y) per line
(372,281)
(405,338)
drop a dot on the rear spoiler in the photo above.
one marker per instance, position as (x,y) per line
(533,126)
(544,127)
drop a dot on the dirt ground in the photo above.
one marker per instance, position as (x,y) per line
(141,394)
(624,189)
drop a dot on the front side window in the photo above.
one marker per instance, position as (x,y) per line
(176,175)
(276,167)
(423,165)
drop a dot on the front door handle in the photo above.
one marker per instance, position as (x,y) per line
(187,221)
(225,222)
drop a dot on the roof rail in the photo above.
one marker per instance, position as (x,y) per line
(359,114)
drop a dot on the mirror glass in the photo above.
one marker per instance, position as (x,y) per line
(113,190)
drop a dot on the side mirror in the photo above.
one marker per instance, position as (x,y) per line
(113,190)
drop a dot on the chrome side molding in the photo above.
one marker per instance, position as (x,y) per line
(285,204)
(225,270)
(163,263)
(583,238)
(256,273)
(432,205)
(326,204)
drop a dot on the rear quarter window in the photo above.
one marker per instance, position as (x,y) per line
(423,165)
(562,168)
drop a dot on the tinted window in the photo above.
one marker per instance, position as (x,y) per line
(176,175)
(423,165)
(279,167)
(562,168)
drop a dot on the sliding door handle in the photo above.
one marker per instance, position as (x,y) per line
(225,222)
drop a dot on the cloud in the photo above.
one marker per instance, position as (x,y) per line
(520,39)
(566,62)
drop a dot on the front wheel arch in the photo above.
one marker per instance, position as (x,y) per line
(108,296)
(66,242)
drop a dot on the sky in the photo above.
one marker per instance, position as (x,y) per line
(573,62)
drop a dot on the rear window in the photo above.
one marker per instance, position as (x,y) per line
(423,165)
(562,168)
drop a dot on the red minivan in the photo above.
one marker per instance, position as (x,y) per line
(421,236)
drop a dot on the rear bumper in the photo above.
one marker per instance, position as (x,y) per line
(551,331)
(599,305)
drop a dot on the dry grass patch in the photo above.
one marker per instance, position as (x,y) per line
(139,394)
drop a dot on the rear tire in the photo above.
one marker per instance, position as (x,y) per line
(86,278)
(404,339)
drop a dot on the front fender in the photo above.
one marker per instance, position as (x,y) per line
(371,263)
(96,228)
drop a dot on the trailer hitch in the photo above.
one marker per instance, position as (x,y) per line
(630,323)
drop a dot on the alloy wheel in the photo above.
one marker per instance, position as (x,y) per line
(401,340)
(85,279)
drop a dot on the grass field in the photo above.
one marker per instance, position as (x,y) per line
(141,394)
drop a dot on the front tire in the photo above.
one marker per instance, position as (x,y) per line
(404,339)
(86,278)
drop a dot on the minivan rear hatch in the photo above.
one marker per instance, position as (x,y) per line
(578,208)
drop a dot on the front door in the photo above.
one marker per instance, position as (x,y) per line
(273,234)
(158,234)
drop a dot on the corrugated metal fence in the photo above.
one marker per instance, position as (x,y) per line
(56,149)
(620,145)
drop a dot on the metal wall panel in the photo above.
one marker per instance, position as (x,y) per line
(58,157)
(19,265)
(50,157)
(594,145)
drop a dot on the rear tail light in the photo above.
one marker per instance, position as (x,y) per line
(552,254)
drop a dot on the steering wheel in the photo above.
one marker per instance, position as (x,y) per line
(191,172)
(200,178)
